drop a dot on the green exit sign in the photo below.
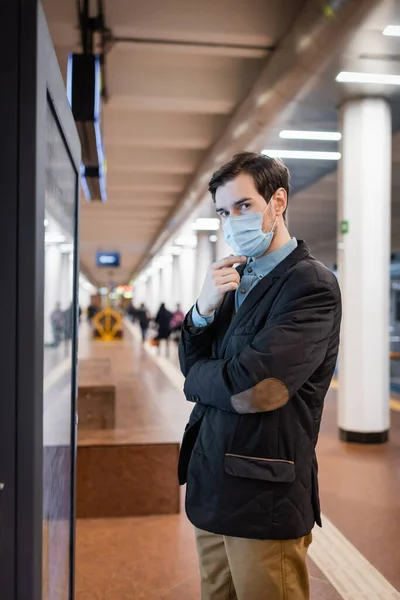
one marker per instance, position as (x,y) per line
(344,227)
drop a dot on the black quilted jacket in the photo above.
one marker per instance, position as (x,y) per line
(259,379)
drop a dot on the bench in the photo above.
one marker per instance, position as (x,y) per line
(96,394)
(129,469)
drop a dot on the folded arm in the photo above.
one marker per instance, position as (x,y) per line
(196,340)
(265,374)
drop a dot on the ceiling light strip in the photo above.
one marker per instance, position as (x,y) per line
(379,78)
(392,30)
(302,154)
(328,136)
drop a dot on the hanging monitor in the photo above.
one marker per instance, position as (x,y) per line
(84,95)
(111,260)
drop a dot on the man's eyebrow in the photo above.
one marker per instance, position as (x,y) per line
(237,203)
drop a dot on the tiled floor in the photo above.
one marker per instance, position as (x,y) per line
(149,558)
(154,558)
(360,492)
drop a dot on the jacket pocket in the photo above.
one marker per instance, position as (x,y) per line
(188,442)
(267,469)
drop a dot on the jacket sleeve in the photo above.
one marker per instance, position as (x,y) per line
(266,373)
(196,343)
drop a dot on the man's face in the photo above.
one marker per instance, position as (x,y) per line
(240,197)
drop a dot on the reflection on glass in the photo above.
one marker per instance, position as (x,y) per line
(58,385)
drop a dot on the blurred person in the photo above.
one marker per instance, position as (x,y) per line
(143,317)
(68,321)
(57,323)
(91,312)
(258,352)
(176,322)
(163,320)
(132,312)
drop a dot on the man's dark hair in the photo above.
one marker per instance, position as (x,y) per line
(268,174)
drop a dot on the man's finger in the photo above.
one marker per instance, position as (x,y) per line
(227,287)
(229,261)
(226,271)
(227,278)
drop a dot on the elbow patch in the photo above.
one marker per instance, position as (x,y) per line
(269,394)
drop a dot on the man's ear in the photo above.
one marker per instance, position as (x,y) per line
(280,198)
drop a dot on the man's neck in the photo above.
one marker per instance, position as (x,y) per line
(281,237)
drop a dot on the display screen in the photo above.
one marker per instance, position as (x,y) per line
(108,259)
(59,388)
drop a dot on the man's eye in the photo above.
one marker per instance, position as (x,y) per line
(244,207)
(224,214)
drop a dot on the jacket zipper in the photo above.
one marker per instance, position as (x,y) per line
(290,462)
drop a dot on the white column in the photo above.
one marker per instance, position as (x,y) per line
(363,261)
(154,301)
(187,272)
(222,250)
(52,288)
(84,296)
(66,280)
(139,292)
(166,286)
(204,258)
(176,282)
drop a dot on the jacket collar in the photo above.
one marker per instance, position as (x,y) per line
(262,287)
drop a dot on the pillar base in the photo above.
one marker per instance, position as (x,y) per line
(362,437)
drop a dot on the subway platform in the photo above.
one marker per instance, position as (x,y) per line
(352,557)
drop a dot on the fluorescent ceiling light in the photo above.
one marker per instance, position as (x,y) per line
(213,238)
(174,250)
(163,260)
(189,240)
(329,136)
(46,222)
(380,78)
(302,154)
(54,238)
(392,30)
(66,248)
(206,224)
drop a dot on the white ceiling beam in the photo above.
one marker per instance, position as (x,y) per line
(144,187)
(134,178)
(174,104)
(148,130)
(254,22)
(169,81)
(223,50)
(154,161)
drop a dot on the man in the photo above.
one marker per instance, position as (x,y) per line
(176,322)
(143,317)
(258,352)
(58,324)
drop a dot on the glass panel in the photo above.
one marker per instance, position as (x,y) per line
(58,385)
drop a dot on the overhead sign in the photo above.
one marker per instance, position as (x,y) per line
(108,259)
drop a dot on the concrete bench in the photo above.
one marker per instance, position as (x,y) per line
(129,469)
(96,394)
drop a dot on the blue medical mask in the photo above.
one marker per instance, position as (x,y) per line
(244,234)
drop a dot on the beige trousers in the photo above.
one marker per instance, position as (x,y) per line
(241,569)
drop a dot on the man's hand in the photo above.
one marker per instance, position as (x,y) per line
(221,278)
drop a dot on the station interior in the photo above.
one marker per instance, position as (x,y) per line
(116,115)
